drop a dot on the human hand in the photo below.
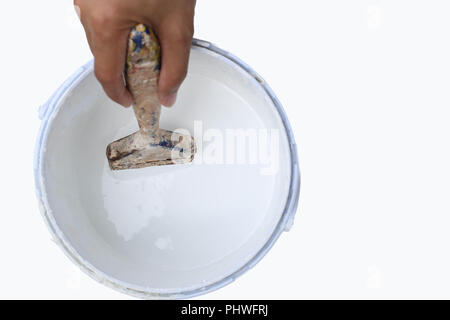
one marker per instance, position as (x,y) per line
(107,24)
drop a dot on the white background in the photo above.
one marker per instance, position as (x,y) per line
(366,87)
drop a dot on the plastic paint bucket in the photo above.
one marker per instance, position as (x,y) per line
(173,231)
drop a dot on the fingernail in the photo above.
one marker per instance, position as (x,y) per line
(170,99)
(128,102)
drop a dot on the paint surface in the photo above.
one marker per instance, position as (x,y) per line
(172,228)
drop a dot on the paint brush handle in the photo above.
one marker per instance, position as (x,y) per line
(142,74)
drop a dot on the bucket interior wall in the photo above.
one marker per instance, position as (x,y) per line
(171,228)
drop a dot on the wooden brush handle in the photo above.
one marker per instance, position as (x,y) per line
(142,74)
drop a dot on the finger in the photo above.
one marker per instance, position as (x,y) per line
(109,60)
(175,49)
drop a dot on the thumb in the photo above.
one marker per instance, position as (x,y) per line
(175,49)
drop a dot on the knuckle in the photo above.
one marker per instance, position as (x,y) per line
(103,20)
(182,33)
(103,77)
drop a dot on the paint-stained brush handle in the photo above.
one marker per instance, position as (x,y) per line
(142,73)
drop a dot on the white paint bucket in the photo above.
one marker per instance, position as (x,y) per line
(174,231)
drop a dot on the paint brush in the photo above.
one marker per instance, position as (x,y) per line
(151,145)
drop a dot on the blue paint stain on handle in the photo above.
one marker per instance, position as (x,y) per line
(138,40)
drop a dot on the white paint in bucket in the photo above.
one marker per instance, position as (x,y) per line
(173,231)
